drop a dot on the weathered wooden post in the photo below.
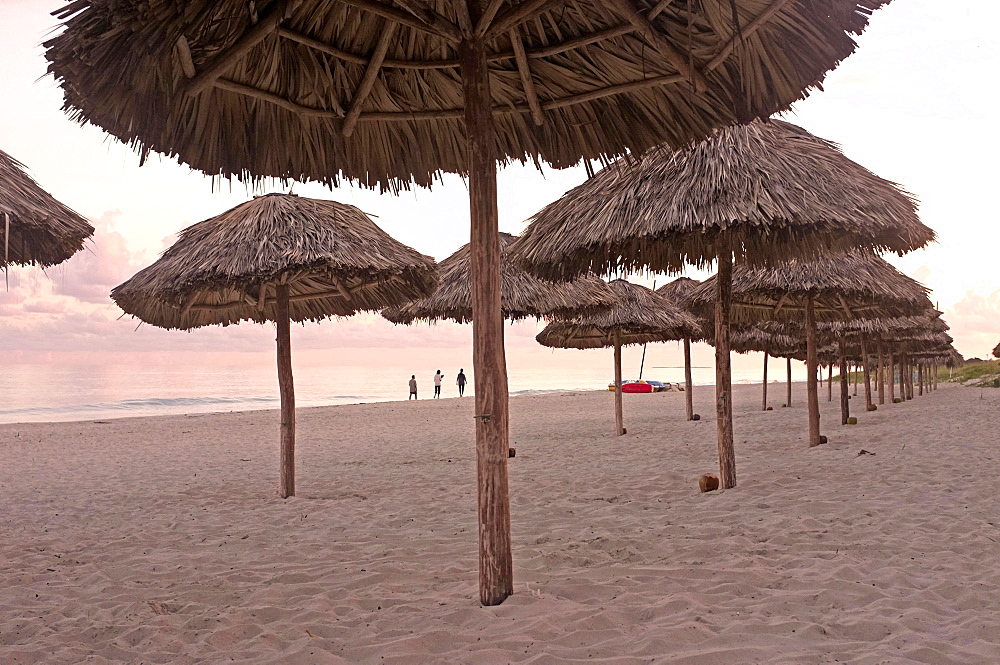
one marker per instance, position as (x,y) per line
(788,369)
(723,377)
(286,391)
(763,405)
(845,409)
(881,372)
(496,579)
(619,420)
(812,390)
(868,379)
(688,397)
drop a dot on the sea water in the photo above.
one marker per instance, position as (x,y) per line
(70,391)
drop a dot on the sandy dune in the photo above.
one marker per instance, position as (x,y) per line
(160,540)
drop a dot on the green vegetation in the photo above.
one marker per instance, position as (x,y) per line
(985,374)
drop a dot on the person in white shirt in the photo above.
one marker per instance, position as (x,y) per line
(437,384)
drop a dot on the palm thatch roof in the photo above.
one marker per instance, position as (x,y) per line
(223,270)
(887,326)
(678,288)
(767,190)
(34,227)
(639,316)
(677,291)
(843,286)
(780,344)
(521,295)
(324,90)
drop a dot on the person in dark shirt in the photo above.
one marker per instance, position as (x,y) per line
(413,388)
(461,382)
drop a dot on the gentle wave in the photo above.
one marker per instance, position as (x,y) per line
(160,406)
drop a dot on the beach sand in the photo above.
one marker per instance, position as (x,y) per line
(161,540)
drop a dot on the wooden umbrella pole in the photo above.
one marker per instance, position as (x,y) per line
(688,397)
(763,398)
(619,420)
(881,372)
(920,378)
(829,382)
(788,387)
(723,372)
(854,376)
(286,390)
(496,580)
(868,377)
(904,367)
(891,379)
(812,389)
(845,409)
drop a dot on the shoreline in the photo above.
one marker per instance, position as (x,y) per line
(165,407)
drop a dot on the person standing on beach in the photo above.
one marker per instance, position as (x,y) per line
(437,384)
(460,382)
(413,387)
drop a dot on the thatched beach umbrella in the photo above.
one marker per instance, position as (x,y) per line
(881,330)
(639,316)
(676,292)
(390,95)
(36,229)
(856,284)
(522,295)
(754,195)
(278,258)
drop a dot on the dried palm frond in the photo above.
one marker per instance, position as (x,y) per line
(35,229)
(639,316)
(843,286)
(521,295)
(767,191)
(371,92)
(223,270)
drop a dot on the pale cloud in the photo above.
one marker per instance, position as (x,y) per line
(104,263)
(922,274)
(975,323)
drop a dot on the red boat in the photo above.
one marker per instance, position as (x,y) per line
(637,388)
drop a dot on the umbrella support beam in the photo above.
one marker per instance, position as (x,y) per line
(880,375)
(723,372)
(865,366)
(763,397)
(688,397)
(891,378)
(619,420)
(812,388)
(845,397)
(788,369)
(496,579)
(286,389)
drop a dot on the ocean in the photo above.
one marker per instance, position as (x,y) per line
(67,391)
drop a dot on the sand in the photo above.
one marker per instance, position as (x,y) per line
(161,540)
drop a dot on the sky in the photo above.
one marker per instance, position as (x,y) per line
(915,105)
